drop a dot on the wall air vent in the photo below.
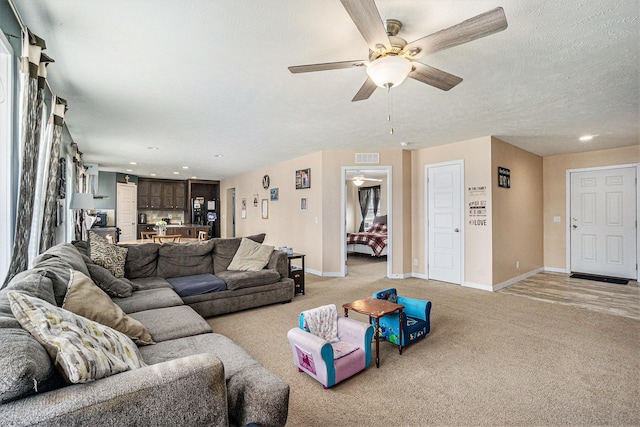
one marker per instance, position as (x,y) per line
(367,158)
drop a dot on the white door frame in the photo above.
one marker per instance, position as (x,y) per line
(343,216)
(568,209)
(462,216)
(8,113)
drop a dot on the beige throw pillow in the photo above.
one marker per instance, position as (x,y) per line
(251,256)
(86,299)
(81,349)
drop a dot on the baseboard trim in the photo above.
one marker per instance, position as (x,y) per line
(419,276)
(555,270)
(326,274)
(400,276)
(477,286)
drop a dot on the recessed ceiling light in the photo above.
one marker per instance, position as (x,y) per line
(176,173)
(153,148)
(404,144)
(218,155)
(133,163)
(152,174)
(194,177)
(129,170)
(185,167)
(586,138)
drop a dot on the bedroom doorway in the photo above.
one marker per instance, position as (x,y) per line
(373,185)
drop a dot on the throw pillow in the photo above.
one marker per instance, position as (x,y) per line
(83,350)
(109,256)
(251,256)
(109,283)
(88,300)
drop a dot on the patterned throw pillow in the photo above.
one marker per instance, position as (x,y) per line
(111,257)
(82,350)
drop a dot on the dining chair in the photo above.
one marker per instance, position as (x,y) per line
(203,235)
(147,235)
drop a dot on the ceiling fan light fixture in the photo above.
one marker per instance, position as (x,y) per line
(358,181)
(389,71)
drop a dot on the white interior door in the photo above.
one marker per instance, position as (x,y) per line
(603,222)
(127,202)
(444,223)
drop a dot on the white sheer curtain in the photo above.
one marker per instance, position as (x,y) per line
(40,193)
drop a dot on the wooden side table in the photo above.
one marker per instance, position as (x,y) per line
(295,273)
(375,309)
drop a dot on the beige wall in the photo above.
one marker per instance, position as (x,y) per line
(476,154)
(287,225)
(321,241)
(554,202)
(516,213)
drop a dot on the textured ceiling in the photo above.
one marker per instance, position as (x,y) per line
(203,77)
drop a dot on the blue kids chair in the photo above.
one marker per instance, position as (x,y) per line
(415,319)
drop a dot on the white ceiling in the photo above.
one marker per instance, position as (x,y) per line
(203,77)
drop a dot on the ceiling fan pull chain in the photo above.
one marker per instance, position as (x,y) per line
(390,109)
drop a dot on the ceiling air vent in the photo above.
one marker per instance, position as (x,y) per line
(367,157)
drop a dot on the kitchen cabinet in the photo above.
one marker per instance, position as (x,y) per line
(144,194)
(161,194)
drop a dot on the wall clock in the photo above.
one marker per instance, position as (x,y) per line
(266,182)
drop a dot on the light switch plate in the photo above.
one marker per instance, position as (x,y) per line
(556,219)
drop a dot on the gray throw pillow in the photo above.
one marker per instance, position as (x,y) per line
(113,286)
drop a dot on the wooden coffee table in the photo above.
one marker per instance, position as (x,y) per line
(375,309)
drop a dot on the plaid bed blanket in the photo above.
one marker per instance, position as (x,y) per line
(375,238)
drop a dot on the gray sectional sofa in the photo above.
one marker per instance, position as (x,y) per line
(194,375)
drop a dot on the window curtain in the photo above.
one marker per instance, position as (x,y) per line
(37,211)
(33,73)
(56,122)
(376,199)
(80,186)
(364,195)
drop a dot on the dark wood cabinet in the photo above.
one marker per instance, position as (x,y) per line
(144,194)
(144,227)
(161,194)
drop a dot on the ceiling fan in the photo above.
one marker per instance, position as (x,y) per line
(358,180)
(392,59)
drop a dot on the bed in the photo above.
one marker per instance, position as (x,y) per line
(371,242)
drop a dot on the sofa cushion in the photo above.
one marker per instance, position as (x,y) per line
(25,367)
(111,257)
(172,322)
(146,283)
(197,285)
(248,279)
(142,260)
(149,299)
(185,259)
(66,252)
(113,286)
(250,256)
(88,300)
(83,350)
(33,283)
(59,271)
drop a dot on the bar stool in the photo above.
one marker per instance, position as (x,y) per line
(202,235)
(167,238)
(147,235)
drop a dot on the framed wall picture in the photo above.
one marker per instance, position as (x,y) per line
(274,194)
(265,208)
(504,177)
(303,203)
(303,179)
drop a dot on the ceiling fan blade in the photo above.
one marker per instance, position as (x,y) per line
(474,28)
(433,76)
(365,15)
(365,91)
(326,66)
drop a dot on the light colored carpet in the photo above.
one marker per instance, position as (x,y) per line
(490,359)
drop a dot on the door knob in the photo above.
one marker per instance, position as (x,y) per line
(457,230)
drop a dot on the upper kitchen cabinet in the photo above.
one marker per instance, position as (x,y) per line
(173,195)
(161,194)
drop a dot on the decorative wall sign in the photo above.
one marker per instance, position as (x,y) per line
(303,203)
(266,182)
(265,208)
(275,194)
(303,179)
(255,200)
(477,197)
(504,177)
